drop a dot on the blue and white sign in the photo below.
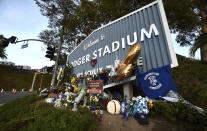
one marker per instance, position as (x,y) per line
(147,25)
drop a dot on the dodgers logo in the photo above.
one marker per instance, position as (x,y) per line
(152,78)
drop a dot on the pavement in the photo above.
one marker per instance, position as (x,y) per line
(8,96)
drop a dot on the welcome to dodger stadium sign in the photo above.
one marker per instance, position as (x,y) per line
(147,26)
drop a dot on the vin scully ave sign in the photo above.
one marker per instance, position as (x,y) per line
(147,26)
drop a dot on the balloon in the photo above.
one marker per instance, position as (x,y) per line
(133,53)
(123,72)
(150,105)
(114,107)
(73,80)
(76,89)
(124,69)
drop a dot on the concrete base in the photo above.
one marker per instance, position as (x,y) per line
(128,91)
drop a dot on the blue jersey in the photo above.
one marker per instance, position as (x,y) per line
(156,82)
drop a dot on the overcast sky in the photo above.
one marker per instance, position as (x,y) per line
(22,18)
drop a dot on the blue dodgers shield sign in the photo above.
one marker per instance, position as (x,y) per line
(147,26)
(156,82)
(152,78)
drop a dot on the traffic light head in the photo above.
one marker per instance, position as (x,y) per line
(12,39)
(50,52)
(49,69)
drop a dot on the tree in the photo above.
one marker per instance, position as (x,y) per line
(3,54)
(58,12)
(188,19)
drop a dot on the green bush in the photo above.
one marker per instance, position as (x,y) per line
(29,114)
(179,113)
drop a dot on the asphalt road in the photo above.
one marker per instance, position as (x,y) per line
(8,96)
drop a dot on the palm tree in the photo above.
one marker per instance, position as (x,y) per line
(3,54)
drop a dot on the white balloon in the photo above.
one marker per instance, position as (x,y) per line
(114,107)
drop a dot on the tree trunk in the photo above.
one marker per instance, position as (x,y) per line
(204,30)
(204,53)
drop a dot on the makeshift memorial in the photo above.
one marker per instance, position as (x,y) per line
(141,118)
(95,87)
(124,105)
(156,82)
(103,76)
(150,105)
(128,108)
(125,68)
(49,100)
(140,106)
(77,99)
(85,101)
(70,98)
(117,61)
(44,93)
(175,97)
(133,53)
(114,107)
(58,103)
(15,91)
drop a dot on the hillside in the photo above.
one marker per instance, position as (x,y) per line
(190,78)
(12,78)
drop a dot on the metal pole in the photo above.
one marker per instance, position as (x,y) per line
(41,82)
(53,83)
(33,82)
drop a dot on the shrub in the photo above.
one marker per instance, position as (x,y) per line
(28,114)
(179,113)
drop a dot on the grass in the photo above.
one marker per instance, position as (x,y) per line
(12,78)
(31,115)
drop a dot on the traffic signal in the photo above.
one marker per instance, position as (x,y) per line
(50,52)
(49,69)
(12,39)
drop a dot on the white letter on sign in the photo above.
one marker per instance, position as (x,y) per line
(113,46)
(106,50)
(148,35)
(94,54)
(135,39)
(87,57)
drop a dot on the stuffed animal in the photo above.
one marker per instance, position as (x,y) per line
(114,107)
